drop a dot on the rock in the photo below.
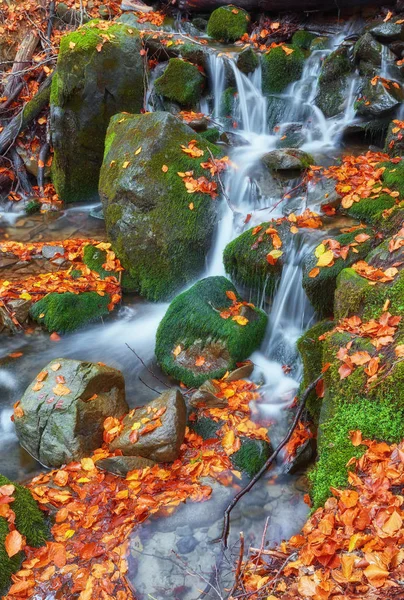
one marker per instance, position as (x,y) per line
(333,82)
(206,395)
(388,32)
(159,240)
(305,454)
(280,69)
(122,465)
(16,309)
(184,530)
(233,139)
(228,23)
(68,311)
(291,135)
(243,372)
(397,48)
(368,50)
(303,39)
(181,82)
(376,100)
(319,43)
(252,455)
(136,5)
(63,422)
(394,144)
(194,343)
(200,23)
(50,251)
(187,544)
(163,443)
(247,61)
(287,159)
(88,88)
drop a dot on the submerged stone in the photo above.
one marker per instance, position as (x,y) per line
(195,343)
(63,422)
(122,465)
(99,72)
(228,23)
(160,241)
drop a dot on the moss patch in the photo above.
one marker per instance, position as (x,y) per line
(332,82)
(67,312)
(280,69)
(193,321)
(181,82)
(252,456)
(303,39)
(228,23)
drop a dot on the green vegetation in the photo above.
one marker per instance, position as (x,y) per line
(66,312)
(252,456)
(227,101)
(228,23)
(205,427)
(94,258)
(211,135)
(303,39)
(280,69)
(181,82)
(193,322)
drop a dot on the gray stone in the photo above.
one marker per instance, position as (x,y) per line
(247,61)
(63,418)
(388,32)
(51,251)
(287,159)
(206,395)
(368,50)
(243,372)
(187,544)
(183,531)
(163,443)
(122,465)
(376,100)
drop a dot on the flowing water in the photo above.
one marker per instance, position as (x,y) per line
(179,547)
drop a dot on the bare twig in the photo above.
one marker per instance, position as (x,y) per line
(226,522)
(193,573)
(238,566)
(148,386)
(147,367)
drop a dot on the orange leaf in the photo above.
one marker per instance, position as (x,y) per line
(13,543)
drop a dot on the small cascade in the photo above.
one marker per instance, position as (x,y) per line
(216,71)
(251,111)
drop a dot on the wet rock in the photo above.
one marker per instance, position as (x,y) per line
(287,159)
(333,82)
(136,5)
(17,310)
(199,124)
(88,88)
(181,82)
(368,50)
(280,69)
(291,136)
(243,372)
(187,544)
(50,251)
(194,343)
(252,455)
(233,139)
(394,145)
(305,454)
(183,531)
(206,395)
(376,100)
(397,48)
(159,240)
(122,465)
(63,422)
(319,43)
(388,32)
(163,443)
(247,61)
(200,23)
(228,23)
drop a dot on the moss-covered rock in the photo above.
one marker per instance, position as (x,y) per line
(320,289)
(245,258)
(212,134)
(91,85)
(66,312)
(252,455)
(319,43)
(228,23)
(303,39)
(280,69)
(194,343)
(247,61)
(30,522)
(333,82)
(160,241)
(227,101)
(181,82)
(369,50)
(287,159)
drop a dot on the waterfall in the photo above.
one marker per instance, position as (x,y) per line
(251,103)
(216,71)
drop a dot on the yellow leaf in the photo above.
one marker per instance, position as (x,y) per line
(72,45)
(319,250)
(87,464)
(177,350)
(191,206)
(126,164)
(164,168)
(240,320)
(325,259)
(69,533)
(287,50)
(275,253)
(56,366)
(25,296)
(138,151)
(136,426)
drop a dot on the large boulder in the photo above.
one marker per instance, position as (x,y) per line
(333,82)
(388,31)
(228,23)
(159,231)
(100,72)
(379,97)
(206,331)
(287,159)
(280,67)
(181,82)
(61,414)
(166,416)
(368,50)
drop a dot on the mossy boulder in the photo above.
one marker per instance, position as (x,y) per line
(227,101)
(63,422)
(160,241)
(99,72)
(379,99)
(320,289)
(333,82)
(279,69)
(369,50)
(246,258)
(287,159)
(68,311)
(303,39)
(195,343)
(181,82)
(319,43)
(228,23)
(247,61)
(30,522)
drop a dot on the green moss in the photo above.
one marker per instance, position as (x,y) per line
(94,258)
(181,82)
(30,522)
(376,421)
(280,69)
(143,198)
(32,207)
(319,43)
(194,317)
(252,456)
(228,23)
(303,39)
(247,61)
(245,260)
(311,352)
(67,312)
(227,101)
(320,290)
(206,428)
(370,210)
(332,82)
(211,135)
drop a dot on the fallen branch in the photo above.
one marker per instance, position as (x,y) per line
(226,522)
(22,59)
(239,565)
(21,172)
(146,367)
(28,113)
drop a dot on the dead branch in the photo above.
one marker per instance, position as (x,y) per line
(226,522)
(238,566)
(21,173)
(147,367)
(28,113)
(22,59)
